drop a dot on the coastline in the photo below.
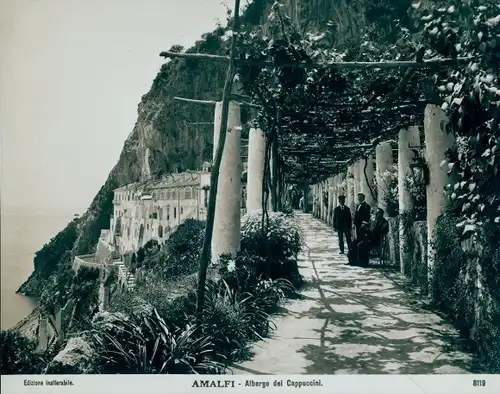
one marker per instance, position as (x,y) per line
(28,326)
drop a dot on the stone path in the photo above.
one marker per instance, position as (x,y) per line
(354,320)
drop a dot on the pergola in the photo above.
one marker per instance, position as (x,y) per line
(313,130)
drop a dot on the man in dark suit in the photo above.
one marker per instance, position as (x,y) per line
(362,214)
(342,223)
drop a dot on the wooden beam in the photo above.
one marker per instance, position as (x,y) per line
(193,101)
(320,150)
(211,102)
(334,65)
(198,56)
(359,65)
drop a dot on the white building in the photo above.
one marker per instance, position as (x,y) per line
(154,208)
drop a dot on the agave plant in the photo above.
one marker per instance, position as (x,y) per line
(232,319)
(145,344)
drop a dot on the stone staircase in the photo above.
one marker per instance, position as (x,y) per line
(124,275)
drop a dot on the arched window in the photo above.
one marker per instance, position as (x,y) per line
(174,194)
(187,193)
(160,231)
(175,212)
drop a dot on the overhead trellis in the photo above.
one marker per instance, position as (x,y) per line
(330,99)
(300,87)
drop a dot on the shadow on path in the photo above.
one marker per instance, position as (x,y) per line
(355,320)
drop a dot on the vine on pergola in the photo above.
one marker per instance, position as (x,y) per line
(471,97)
(319,109)
(313,111)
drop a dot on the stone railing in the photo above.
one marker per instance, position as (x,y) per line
(87,260)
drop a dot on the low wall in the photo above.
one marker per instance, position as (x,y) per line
(466,285)
(393,242)
(415,253)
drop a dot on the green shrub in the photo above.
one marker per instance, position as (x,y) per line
(454,278)
(18,356)
(144,344)
(232,320)
(278,241)
(287,208)
(179,255)
(448,288)
(174,300)
(278,245)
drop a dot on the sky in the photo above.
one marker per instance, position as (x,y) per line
(72,73)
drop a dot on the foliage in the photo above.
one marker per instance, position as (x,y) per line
(48,258)
(145,344)
(415,184)
(247,273)
(18,356)
(414,252)
(174,299)
(471,98)
(277,244)
(287,208)
(179,255)
(450,291)
(303,104)
(456,275)
(389,182)
(81,287)
(278,241)
(232,319)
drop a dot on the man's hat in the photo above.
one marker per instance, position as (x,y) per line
(341,197)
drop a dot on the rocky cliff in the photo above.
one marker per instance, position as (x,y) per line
(163,141)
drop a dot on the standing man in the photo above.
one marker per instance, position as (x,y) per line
(342,223)
(362,214)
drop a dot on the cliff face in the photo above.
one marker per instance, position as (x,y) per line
(163,140)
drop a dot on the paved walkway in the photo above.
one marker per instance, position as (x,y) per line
(354,320)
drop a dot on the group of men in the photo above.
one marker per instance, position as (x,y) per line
(367,237)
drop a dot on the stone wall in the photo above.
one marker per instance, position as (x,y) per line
(466,284)
(415,252)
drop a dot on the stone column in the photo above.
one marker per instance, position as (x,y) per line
(330,200)
(405,156)
(226,231)
(325,206)
(383,157)
(314,200)
(357,180)
(321,202)
(305,194)
(351,203)
(366,181)
(255,171)
(335,193)
(437,141)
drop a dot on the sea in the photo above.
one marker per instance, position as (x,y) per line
(22,235)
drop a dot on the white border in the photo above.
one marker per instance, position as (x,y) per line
(180,384)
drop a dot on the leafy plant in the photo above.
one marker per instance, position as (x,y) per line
(278,241)
(415,184)
(18,355)
(470,97)
(230,318)
(389,182)
(146,344)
